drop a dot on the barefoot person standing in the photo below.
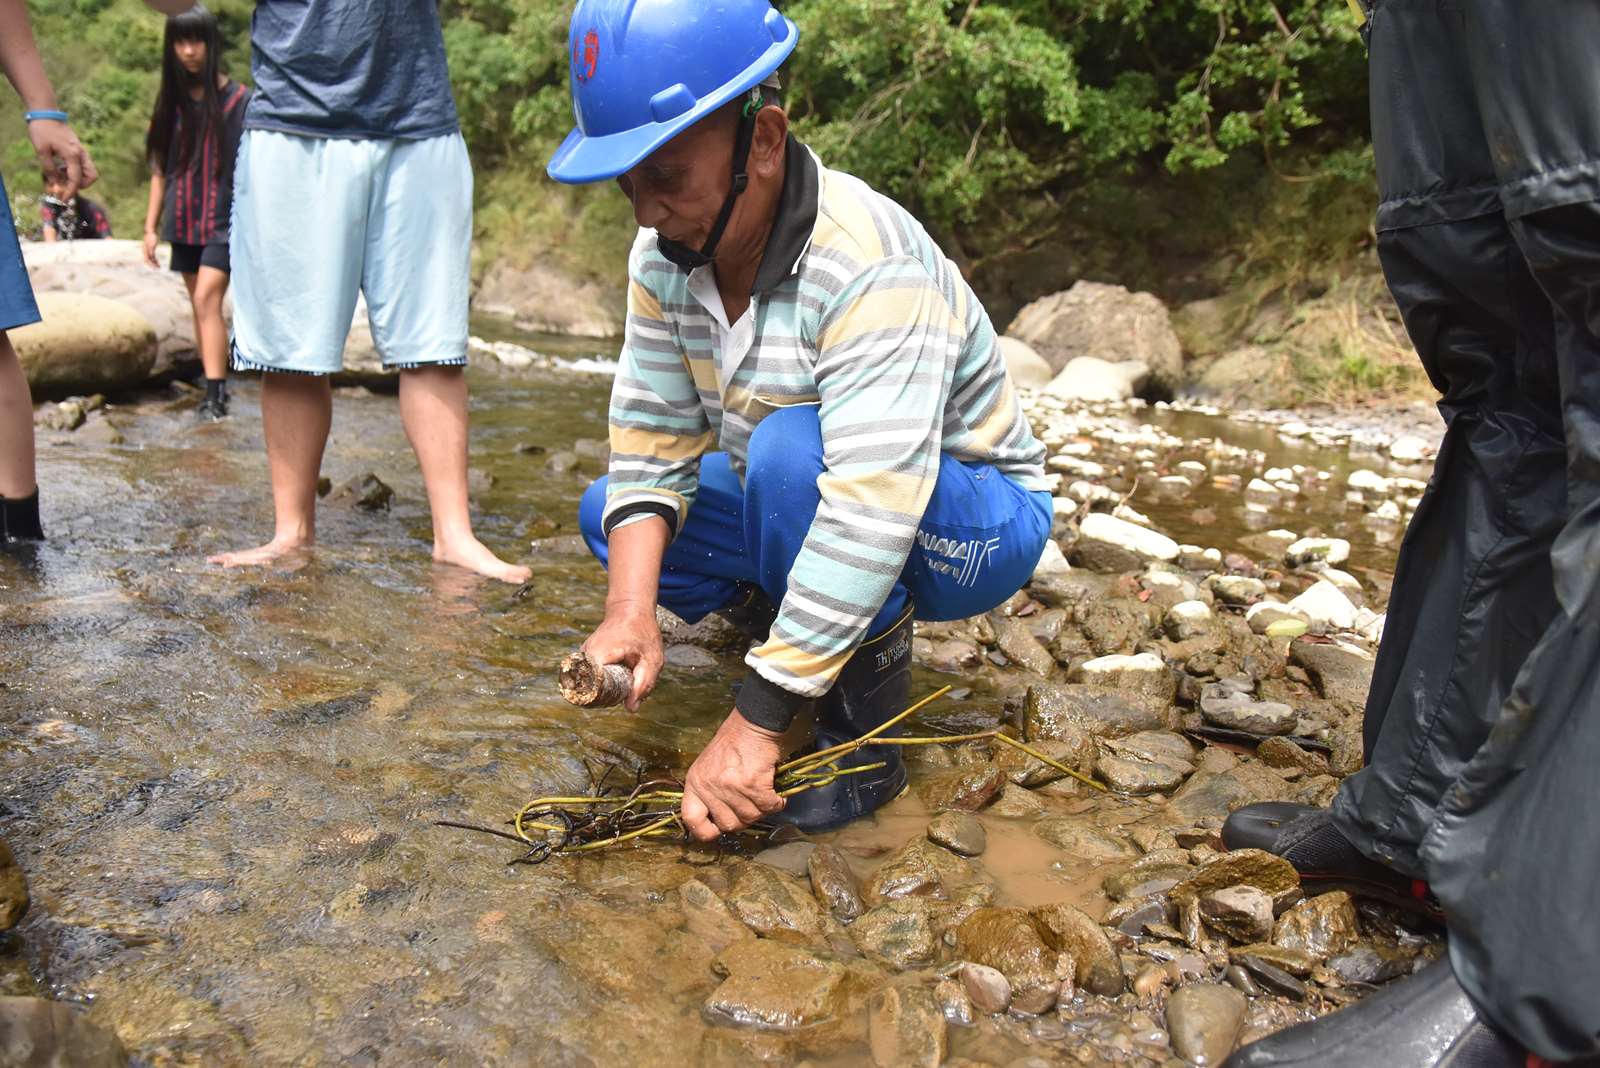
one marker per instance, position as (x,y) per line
(352,178)
(59,153)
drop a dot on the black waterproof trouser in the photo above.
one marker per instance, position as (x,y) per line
(1483,723)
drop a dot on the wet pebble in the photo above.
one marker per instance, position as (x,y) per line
(707,916)
(1204,1021)
(968,789)
(1235,712)
(988,990)
(1366,964)
(959,832)
(954,1003)
(1136,777)
(1241,912)
(906,1028)
(834,884)
(1323,926)
(898,934)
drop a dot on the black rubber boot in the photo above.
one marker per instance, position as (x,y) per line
(1326,860)
(874,686)
(751,613)
(1426,1021)
(19,519)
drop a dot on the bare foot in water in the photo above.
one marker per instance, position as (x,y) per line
(274,550)
(472,554)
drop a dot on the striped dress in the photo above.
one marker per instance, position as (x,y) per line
(865,318)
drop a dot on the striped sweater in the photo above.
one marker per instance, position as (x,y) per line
(857,311)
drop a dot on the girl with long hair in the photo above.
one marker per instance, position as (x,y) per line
(194,136)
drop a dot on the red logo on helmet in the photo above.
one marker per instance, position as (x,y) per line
(585,56)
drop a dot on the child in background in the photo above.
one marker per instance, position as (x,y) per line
(193,139)
(66,218)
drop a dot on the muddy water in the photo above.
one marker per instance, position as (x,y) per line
(223,784)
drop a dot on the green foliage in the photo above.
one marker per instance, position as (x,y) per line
(1143,134)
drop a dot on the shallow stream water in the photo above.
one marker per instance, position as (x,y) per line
(222,784)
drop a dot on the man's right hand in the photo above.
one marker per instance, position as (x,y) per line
(629,636)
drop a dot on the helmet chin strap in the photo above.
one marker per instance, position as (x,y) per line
(682,255)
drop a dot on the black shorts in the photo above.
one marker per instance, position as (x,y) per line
(188,259)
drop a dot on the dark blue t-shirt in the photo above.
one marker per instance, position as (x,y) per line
(350,68)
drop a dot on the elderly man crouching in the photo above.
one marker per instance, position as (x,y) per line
(875,463)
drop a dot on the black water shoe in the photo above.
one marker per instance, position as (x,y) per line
(1425,1021)
(19,519)
(215,404)
(874,686)
(1306,837)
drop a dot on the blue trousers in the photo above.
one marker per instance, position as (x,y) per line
(978,543)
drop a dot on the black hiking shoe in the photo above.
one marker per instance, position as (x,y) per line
(1424,1021)
(1306,837)
(874,686)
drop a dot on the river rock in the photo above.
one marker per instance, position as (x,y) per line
(1109,627)
(1187,619)
(954,1003)
(1326,607)
(1028,370)
(906,1028)
(1296,962)
(1308,551)
(834,884)
(1089,380)
(1240,713)
(14,898)
(707,916)
(1144,880)
(968,789)
(958,832)
(1144,674)
(1079,836)
(1016,803)
(917,869)
(1204,1021)
(1243,913)
(85,344)
(898,934)
(1270,874)
(1007,940)
(542,298)
(1209,796)
(1323,926)
(987,988)
(1368,964)
(1052,562)
(792,857)
(779,986)
(1106,321)
(1341,672)
(1111,545)
(1237,590)
(1096,966)
(1264,614)
(37,1033)
(1016,640)
(777,905)
(1052,711)
(367,492)
(1282,753)
(1074,748)
(1136,777)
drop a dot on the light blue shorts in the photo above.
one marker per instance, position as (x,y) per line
(318,220)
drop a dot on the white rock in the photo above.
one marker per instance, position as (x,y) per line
(1174,485)
(1186,619)
(1149,544)
(1261,492)
(1411,449)
(1369,483)
(1027,368)
(1092,492)
(1278,474)
(1130,671)
(1122,511)
(1347,582)
(1387,512)
(1051,561)
(1193,468)
(1088,379)
(1317,550)
(1325,605)
(1195,558)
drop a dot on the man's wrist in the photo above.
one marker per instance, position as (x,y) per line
(765,704)
(738,720)
(631,608)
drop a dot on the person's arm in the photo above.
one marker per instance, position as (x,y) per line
(658,432)
(152,216)
(48,235)
(55,143)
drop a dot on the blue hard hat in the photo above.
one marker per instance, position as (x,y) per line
(643,71)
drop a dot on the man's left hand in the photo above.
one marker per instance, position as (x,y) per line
(729,786)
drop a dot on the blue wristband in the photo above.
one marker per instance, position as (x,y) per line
(53,116)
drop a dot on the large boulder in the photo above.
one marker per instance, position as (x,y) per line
(85,344)
(542,298)
(1107,322)
(116,270)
